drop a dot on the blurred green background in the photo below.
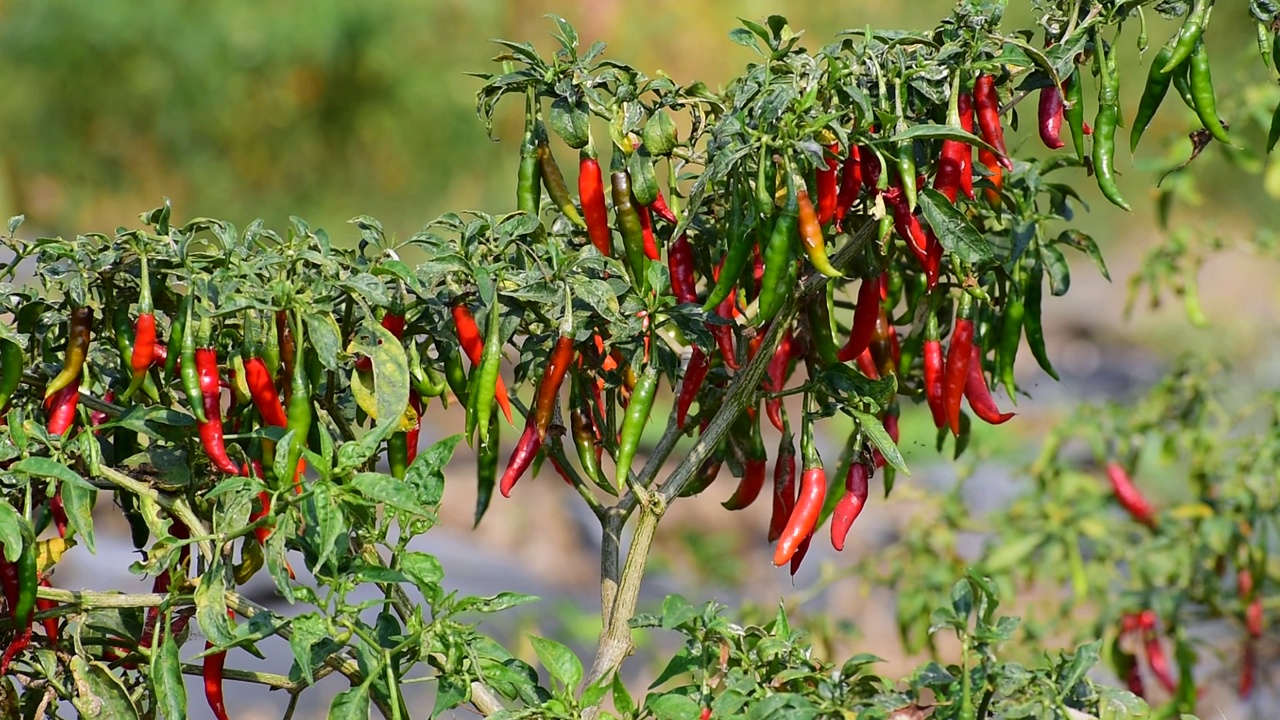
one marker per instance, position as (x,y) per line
(328,109)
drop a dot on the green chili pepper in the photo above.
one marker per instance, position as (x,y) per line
(188,371)
(486,375)
(1189,34)
(454,373)
(740,247)
(1204,102)
(177,326)
(1152,95)
(556,186)
(633,422)
(907,172)
(11,361)
(528,189)
(583,427)
(1104,130)
(632,231)
(824,342)
(487,468)
(779,259)
(1073,110)
(765,182)
(398,454)
(300,411)
(1032,293)
(1010,335)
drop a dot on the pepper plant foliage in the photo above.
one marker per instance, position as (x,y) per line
(821,195)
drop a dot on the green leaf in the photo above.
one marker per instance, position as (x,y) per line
(451,691)
(953,229)
(211,605)
(496,603)
(50,468)
(672,707)
(330,519)
(307,630)
(1011,552)
(559,660)
(166,680)
(934,132)
(78,502)
(659,134)
(1085,243)
(98,692)
(425,571)
(879,437)
(426,473)
(571,122)
(351,705)
(622,699)
(11,532)
(1273,134)
(325,338)
(681,664)
(676,611)
(387,490)
(1059,270)
(644,179)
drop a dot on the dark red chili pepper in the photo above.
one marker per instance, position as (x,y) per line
(591,192)
(684,278)
(1248,669)
(827,185)
(212,673)
(813,492)
(1133,681)
(784,485)
(955,155)
(913,234)
(933,383)
(24,577)
(262,389)
(1129,496)
(775,377)
(694,375)
(1158,661)
(394,323)
(660,208)
(62,408)
(801,551)
(987,103)
(754,469)
(884,345)
(850,184)
(1050,117)
(646,227)
(473,345)
(964,104)
(864,319)
(959,354)
(50,623)
(1253,620)
(211,428)
(59,513)
(979,395)
(723,332)
(871,169)
(850,505)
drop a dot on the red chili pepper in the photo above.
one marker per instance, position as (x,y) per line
(827,185)
(50,623)
(549,387)
(646,227)
(965,105)
(1050,117)
(521,458)
(754,471)
(660,208)
(1133,681)
(684,278)
(987,103)
(813,492)
(211,429)
(979,395)
(870,172)
(594,211)
(1253,620)
(411,436)
(850,505)
(724,333)
(933,392)
(1248,669)
(884,345)
(867,365)
(913,234)
(956,372)
(159,354)
(1158,661)
(1129,496)
(213,665)
(59,513)
(473,345)
(775,378)
(144,347)
(784,485)
(62,408)
(801,551)
(992,163)
(694,375)
(393,322)
(864,320)
(850,184)
(262,389)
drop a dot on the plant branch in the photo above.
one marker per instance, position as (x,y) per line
(178,507)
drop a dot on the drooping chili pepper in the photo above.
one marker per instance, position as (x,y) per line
(959,354)
(800,554)
(78,331)
(906,165)
(59,512)
(484,382)
(850,184)
(1104,134)
(933,383)
(212,674)
(775,377)
(528,189)
(556,187)
(11,362)
(1010,338)
(818,314)
(631,228)
(1129,496)
(123,329)
(987,104)
(1248,669)
(144,334)
(300,410)
(779,259)
(288,346)
(472,344)
(680,265)
(1152,95)
(62,409)
(583,427)
(850,505)
(662,210)
(1032,290)
(591,192)
(397,455)
(754,467)
(954,156)
(1158,661)
(726,277)
(211,428)
(867,364)
(552,379)
(1184,43)
(411,436)
(23,575)
(995,174)
(1206,105)
(864,320)
(872,168)
(177,331)
(633,423)
(723,332)
(964,109)
(1050,117)
(646,227)
(813,492)
(526,450)
(1253,620)
(827,185)
(50,623)
(262,389)
(979,395)
(815,246)
(913,234)
(884,346)
(487,458)
(1073,110)
(188,371)
(694,375)
(784,485)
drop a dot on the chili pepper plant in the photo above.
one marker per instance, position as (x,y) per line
(738,265)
